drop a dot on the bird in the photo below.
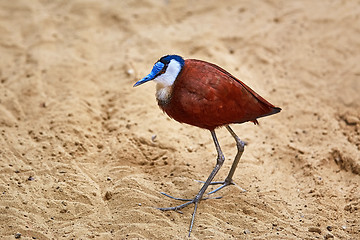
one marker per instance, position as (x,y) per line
(204,95)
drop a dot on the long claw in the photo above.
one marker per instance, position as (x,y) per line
(242,189)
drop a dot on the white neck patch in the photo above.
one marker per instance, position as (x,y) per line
(168,78)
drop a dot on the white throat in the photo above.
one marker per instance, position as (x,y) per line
(166,80)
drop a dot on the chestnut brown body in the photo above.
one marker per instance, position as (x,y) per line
(207,96)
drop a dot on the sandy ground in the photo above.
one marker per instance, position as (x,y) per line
(84,155)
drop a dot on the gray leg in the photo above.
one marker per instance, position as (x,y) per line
(240,146)
(198,197)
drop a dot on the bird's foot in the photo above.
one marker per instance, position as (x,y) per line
(177,208)
(223,184)
(186,199)
(196,201)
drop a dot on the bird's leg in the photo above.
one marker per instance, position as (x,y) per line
(240,147)
(228,180)
(198,197)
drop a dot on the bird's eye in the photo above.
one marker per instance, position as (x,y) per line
(162,71)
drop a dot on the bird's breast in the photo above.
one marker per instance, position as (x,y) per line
(163,93)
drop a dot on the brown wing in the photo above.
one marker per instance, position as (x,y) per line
(257,96)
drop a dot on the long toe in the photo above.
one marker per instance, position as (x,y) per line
(186,199)
(212,183)
(177,208)
(224,184)
(175,198)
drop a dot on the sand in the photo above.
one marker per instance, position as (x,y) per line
(84,155)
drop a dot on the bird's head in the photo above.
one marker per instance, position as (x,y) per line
(165,70)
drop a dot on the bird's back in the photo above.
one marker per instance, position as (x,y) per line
(207,96)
